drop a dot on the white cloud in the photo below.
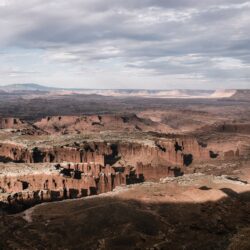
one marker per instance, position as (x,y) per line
(228,63)
(126,43)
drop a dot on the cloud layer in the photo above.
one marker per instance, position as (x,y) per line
(126,44)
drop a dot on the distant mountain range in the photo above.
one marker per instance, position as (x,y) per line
(25,87)
(177,93)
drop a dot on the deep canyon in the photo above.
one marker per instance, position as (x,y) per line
(140,167)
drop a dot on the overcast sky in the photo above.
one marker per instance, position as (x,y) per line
(159,44)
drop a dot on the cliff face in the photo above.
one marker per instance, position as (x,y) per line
(20,126)
(89,168)
(64,181)
(182,151)
(11,123)
(14,152)
(19,153)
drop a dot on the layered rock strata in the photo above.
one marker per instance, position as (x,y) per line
(178,151)
(62,181)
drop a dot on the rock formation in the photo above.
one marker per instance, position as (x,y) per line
(94,123)
(62,181)
(181,151)
(21,126)
(88,167)
(12,123)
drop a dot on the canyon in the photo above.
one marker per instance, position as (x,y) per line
(86,167)
(152,158)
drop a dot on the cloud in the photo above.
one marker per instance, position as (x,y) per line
(167,42)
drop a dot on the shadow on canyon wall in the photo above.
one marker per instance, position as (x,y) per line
(114,223)
(16,203)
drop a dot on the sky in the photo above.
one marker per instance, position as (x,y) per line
(143,44)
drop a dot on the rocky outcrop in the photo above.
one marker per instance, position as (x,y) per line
(64,181)
(231,154)
(184,151)
(15,152)
(20,188)
(20,153)
(21,126)
(88,168)
(12,123)
(181,151)
(95,123)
